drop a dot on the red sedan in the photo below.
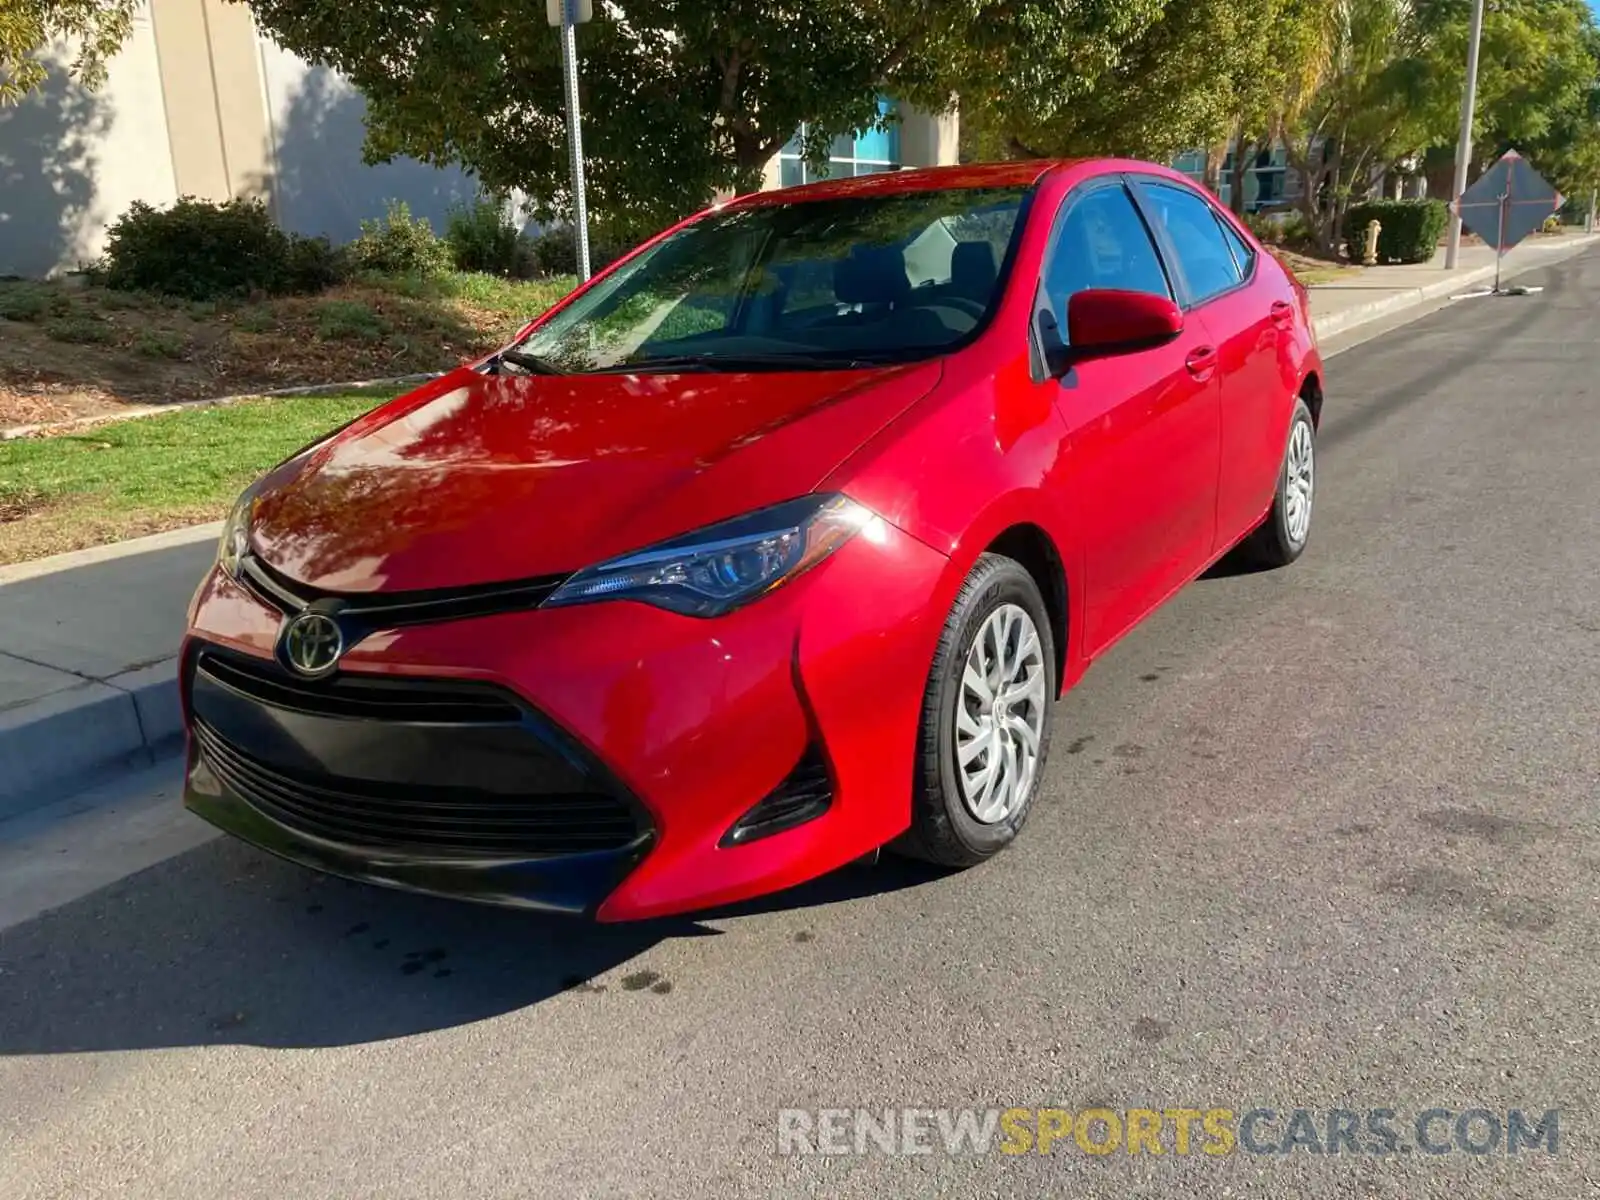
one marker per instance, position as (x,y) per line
(774,544)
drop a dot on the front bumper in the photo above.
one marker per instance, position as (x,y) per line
(686,724)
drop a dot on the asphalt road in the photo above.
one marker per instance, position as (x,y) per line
(1321,838)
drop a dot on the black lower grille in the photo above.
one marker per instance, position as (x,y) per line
(431,768)
(422,820)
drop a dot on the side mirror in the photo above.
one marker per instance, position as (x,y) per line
(1102,322)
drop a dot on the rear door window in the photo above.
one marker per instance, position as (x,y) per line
(1196,238)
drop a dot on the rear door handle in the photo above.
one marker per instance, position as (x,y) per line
(1282,312)
(1201,362)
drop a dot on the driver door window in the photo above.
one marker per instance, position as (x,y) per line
(1102,243)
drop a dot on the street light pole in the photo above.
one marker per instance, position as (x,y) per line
(580,208)
(1469,100)
(566,15)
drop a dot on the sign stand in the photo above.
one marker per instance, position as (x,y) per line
(567,15)
(1521,200)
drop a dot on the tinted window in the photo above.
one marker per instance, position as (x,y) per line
(789,286)
(1242,254)
(1102,243)
(1203,253)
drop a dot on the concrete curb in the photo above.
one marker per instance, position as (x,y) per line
(33,568)
(67,741)
(1360,314)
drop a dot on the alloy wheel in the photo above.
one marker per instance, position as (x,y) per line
(1299,483)
(999,717)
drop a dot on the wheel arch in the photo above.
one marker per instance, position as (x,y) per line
(1311,393)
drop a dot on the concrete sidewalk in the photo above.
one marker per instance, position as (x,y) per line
(88,645)
(1379,291)
(88,641)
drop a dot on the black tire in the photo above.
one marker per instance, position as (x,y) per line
(1270,544)
(943,830)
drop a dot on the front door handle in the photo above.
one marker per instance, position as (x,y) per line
(1282,313)
(1202,361)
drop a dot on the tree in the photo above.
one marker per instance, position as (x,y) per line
(679,99)
(1174,84)
(1371,103)
(97,28)
(1388,88)
(1294,47)
(1536,69)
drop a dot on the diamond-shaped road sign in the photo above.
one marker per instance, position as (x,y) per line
(1509,202)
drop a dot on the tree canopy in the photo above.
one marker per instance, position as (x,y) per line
(28,28)
(683,99)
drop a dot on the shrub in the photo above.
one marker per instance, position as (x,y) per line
(1267,230)
(157,344)
(1294,230)
(83,331)
(1410,228)
(197,249)
(348,320)
(312,264)
(256,319)
(24,302)
(399,244)
(481,239)
(555,252)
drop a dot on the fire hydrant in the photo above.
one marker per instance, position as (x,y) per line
(1369,256)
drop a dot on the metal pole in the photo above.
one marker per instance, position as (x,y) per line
(1469,100)
(1588,226)
(580,211)
(1500,236)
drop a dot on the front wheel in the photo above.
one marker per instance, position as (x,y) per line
(1282,537)
(985,732)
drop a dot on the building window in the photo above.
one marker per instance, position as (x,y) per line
(868,153)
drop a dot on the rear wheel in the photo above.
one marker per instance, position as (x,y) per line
(985,732)
(1282,537)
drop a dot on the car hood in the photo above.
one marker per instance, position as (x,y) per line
(479,478)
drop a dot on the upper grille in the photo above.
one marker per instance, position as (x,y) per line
(388,610)
(363,696)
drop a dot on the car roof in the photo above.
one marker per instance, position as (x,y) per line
(1020,173)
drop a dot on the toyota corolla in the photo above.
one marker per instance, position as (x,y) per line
(773,545)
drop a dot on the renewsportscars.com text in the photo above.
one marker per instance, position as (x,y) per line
(1213,1132)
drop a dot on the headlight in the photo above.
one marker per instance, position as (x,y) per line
(719,568)
(235,536)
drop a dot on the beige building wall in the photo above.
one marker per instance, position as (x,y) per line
(929,139)
(316,127)
(72,161)
(211,82)
(197,103)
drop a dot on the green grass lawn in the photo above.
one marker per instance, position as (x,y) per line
(134,477)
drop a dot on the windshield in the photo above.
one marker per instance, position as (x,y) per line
(810,284)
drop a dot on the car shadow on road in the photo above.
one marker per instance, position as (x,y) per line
(226,945)
(1233,564)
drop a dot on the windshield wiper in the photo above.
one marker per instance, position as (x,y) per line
(737,362)
(529,362)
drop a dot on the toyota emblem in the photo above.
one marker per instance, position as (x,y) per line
(312,644)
